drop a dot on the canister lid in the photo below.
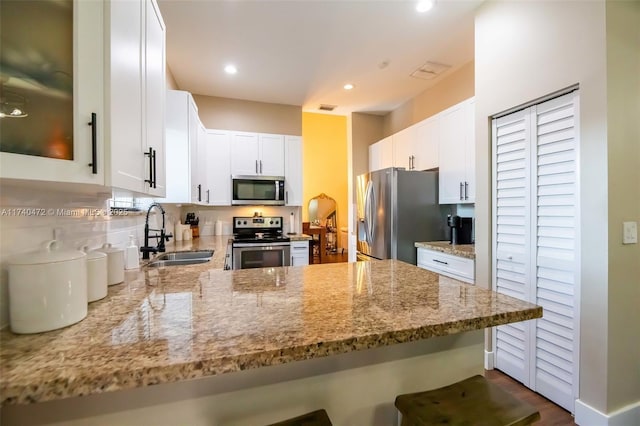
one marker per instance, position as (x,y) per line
(108,248)
(51,253)
(95,254)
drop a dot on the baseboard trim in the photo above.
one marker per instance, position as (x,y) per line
(589,416)
(488,360)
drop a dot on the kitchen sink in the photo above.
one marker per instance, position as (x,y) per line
(186,255)
(182,258)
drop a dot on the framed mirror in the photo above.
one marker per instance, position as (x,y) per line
(322,211)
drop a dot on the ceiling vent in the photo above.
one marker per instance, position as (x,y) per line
(430,70)
(325,107)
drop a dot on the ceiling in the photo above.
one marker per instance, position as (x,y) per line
(302,52)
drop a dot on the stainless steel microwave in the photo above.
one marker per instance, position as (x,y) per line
(257,190)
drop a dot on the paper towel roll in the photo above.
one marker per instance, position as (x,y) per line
(292,224)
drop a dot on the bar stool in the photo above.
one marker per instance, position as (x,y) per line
(473,401)
(314,418)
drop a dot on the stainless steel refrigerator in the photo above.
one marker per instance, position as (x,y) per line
(396,208)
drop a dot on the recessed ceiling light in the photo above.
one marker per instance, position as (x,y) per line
(348,86)
(424,5)
(230,69)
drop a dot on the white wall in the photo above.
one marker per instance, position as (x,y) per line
(525,50)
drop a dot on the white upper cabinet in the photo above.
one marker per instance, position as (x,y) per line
(155,97)
(109,117)
(201,193)
(271,159)
(426,144)
(182,126)
(413,148)
(403,148)
(293,170)
(54,142)
(381,154)
(244,153)
(457,154)
(218,168)
(255,154)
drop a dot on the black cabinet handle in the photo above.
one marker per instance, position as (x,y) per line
(440,261)
(155,170)
(150,154)
(94,143)
(199,192)
(466,190)
(207,196)
(152,168)
(461,189)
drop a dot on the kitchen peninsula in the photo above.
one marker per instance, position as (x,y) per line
(265,344)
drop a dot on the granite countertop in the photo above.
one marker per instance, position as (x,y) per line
(299,237)
(462,250)
(183,322)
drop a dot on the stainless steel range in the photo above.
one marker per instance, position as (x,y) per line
(258,242)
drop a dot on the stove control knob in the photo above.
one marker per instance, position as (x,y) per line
(244,223)
(270,222)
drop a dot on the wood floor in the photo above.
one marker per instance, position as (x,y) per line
(550,413)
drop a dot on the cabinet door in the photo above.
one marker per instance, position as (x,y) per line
(203,168)
(219,167)
(54,143)
(129,167)
(452,156)
(470,152)
(244,153)
(381,154)
(271,159)
(293,171)
(155,93)
(402,148)
(194,125)
(178,150)
(426,144)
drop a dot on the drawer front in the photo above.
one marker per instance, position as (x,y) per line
(299,246)
(446,264)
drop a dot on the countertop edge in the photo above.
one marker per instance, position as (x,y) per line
(462,250)
(129,379)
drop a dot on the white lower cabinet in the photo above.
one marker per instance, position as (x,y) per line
(457,267)
(299,253)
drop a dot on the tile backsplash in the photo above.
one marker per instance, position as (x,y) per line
(29,218)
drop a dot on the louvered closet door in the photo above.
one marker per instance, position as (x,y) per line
(535,252)
(512,242)
(556,250)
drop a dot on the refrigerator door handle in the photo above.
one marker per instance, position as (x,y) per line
(370,208)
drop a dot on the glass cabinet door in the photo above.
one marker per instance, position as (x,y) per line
(51,71)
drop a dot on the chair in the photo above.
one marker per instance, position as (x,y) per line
(314,418)
(314,243)
(468,402)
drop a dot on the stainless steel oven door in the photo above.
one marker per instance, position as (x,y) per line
(261,255)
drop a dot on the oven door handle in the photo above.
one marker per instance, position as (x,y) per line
(260,246)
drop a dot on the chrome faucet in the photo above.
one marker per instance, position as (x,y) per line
(146,249)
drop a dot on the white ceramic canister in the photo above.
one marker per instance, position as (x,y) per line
(47,289)
(97,274)
(115,263)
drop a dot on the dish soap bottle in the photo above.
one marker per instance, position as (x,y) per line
(131,256)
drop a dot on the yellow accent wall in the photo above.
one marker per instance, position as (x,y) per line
(325,161)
